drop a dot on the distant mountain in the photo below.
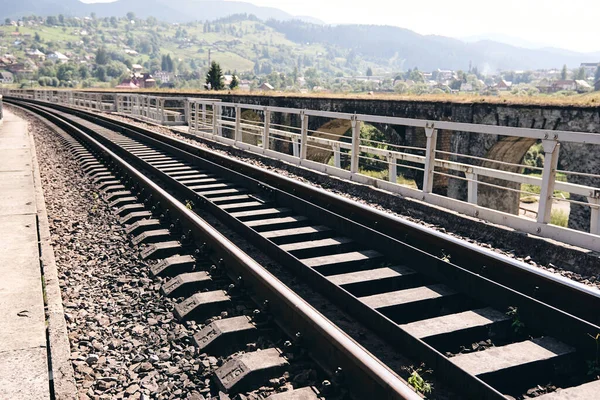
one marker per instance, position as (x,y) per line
(506,39)
(164,10)
(429,52)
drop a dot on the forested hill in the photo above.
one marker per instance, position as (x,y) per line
(387,44)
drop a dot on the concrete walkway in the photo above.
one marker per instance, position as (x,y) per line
(23,351)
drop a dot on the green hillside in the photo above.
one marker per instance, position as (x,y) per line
(239,43)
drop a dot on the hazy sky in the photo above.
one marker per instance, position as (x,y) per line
(572,24)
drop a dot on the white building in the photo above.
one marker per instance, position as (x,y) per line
(6,77)
(56,56)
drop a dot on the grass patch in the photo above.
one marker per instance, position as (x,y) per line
(384,175)
(525,187)
(559,218)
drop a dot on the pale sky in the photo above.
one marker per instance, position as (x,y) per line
(573,24)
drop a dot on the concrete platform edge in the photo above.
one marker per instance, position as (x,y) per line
(62,373)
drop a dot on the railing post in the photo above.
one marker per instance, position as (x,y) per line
(431,134)
(594,214)
(337,159)
(214,121)
(203,114)
(219,122)
(354,160)
(266,131)
(393,169)
(196,116)
(303,135)
(471,187)
(238,123)
(551,149)
(187,109)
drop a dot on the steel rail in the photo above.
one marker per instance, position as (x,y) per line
(366,376)
(537,282)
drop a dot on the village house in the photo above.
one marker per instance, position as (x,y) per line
(137,68)
(266,87)
(36,54)
(244,85)
(6,77)
(582,86)
(57,56)
(568,85)
(163,76)
(503,85)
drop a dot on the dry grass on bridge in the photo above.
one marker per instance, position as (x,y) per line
(591,99)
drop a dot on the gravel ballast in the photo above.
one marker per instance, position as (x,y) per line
(124,340)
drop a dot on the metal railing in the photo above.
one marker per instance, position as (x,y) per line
(157,109)
(335,147)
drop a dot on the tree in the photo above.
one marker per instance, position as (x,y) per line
(37,37)
(234,83)
(130,16)
(84,72)
(369,72)
(170,66)
(580,73)
(7,21)
(101,73)
(597,75)
(214,77)
(564,72)
(101,56)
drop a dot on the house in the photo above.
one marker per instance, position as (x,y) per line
(6,77)
(466,87)
(443,75)
(36,54)
(57,56)
(137,68)
(503,85)
(266,87)
(544,85)
(163,76)
(127,84)
(568,85)
(582,86)
(244,85)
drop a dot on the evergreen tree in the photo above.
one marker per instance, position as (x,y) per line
(234,83)
(214,77)
(170,67)
(163,63)
(101,56)
(564,72)
(597,76)
(369,72)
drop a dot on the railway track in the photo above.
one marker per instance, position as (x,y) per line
(487,327)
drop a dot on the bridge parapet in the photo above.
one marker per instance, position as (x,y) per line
(335,143)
